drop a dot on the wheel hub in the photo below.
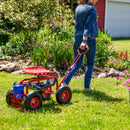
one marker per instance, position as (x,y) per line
(65,95)
(34,102)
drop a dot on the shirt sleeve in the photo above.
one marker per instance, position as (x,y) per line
(92,16)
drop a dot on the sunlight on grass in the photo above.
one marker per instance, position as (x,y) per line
(106,107)
(121,44)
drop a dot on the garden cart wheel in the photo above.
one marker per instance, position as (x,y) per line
(8,96)
(63,95)
(45,94)
(33,101)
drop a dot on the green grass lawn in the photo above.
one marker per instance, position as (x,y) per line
(121,44)
(104,108)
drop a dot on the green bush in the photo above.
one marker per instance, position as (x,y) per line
(122,62)
(35,22)
(30,15)
(52,46)
(14,46)
(104,49)
(4,57)
(57,53)
(47,46)
(61,53)
(4,37)
(39,55)
(19,44)
(117,63)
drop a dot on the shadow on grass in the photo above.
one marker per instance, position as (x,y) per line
(48,105)
(120,38)
(52,106)
(98,95)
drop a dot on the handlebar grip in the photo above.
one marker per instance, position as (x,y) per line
(86,48)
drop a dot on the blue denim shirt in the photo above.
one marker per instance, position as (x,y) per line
(85,20)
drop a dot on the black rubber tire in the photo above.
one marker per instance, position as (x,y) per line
(45,97)
(60,92)
(28,99)
(8,98)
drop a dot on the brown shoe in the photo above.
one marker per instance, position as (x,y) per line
(87,89)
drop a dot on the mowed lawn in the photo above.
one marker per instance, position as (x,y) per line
(121,44)
(104,108)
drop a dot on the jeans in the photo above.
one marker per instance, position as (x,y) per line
(89,63)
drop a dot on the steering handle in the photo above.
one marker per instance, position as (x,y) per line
(84,51)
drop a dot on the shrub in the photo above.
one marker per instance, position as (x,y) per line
(116,64)
(4,57)
(17,45)
(60,49)
(125,57)
(4,37)
(30,15)
(58,53)
(47,46)
(104,49)
(121,63)
(35,24)
(62,54)
(39,55)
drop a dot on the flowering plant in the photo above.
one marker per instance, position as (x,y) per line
(126,82)
(54,25)
(125,57)
(120,61)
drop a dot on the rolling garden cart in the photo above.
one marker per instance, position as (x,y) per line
(20,97)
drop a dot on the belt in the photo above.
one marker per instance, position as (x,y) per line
(82,35)
(78,34)
(91,37)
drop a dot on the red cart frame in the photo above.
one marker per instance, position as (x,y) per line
(43,74)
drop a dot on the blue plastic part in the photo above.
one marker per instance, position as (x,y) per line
(18,90)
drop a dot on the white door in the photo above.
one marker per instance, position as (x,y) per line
(117,21)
